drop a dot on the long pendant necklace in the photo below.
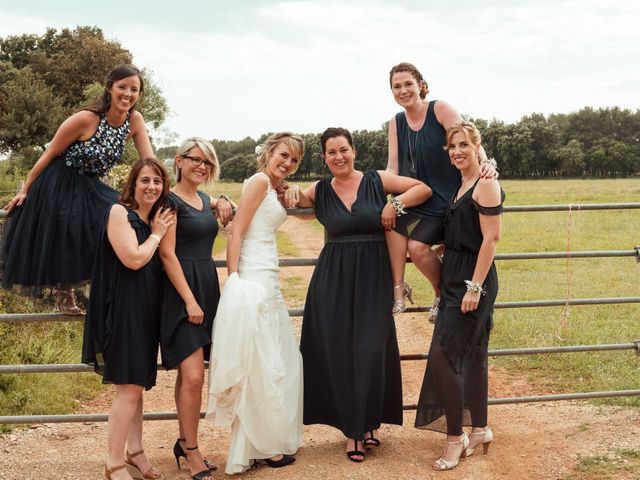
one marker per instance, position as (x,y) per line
(412,148)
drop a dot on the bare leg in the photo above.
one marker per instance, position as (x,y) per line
(426,260)
(123,411)
(134,443)
(397,247)
(176,395)
(189,401)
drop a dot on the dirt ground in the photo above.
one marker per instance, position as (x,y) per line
(532,441)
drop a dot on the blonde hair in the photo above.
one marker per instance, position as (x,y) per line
(294,142)
(468,129)
(207,150)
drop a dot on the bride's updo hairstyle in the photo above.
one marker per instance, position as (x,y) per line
(294,142)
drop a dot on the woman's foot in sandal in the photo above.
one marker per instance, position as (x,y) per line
(66,301)
(140,462)
(118,472)
(357,453)
(453,452)
(479,436)
(401,291)
(370,439)
(199,471)
(178,452)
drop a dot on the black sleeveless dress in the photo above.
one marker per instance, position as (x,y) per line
(195,234)
(51,238)
(461,338)
(122,325)
(422,155)
(350,353)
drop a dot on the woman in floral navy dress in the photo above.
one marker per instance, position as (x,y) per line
(53,222)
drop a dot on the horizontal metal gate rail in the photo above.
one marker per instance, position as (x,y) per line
(296,262)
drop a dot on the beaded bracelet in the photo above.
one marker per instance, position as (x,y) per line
(225,197)
(474,287)
(397,205)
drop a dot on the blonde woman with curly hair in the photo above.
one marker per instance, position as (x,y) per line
(255,382)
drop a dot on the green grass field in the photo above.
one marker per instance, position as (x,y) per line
(519,280)
(555,279)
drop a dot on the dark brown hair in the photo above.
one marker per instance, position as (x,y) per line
(333,132)
(117,73)
(410,68)
(128,191)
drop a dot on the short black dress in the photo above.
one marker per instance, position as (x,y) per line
(122,326)
(456,374)
(51,238)
(421,155)
(349,348)
(195,234)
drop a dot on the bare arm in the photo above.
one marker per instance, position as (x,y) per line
(140,135)
(176,276)
(251,198)
(73,128)
(224,209)
(392,160)
(294,196)
(124,241)
(487,194)
(411,192)
(446,115)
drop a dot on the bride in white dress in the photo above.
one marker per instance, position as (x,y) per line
(255,370)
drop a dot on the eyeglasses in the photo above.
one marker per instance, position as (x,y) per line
(197,161)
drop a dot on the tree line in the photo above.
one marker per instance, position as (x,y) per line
(603,142)
(45,78)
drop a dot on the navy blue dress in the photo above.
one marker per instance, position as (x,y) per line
(349,348)
(195,234)
(51,238)
(122,325)
(421,155)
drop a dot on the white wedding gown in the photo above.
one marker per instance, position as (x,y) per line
(255,370)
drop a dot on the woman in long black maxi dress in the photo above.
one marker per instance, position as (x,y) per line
(455,383)
(53,225)
(349,348)
(122,326)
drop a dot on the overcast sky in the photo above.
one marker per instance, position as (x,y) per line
(231,69)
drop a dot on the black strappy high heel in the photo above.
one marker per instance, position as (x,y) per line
(371,441)
(352,454)
(200,475)
(178,452)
